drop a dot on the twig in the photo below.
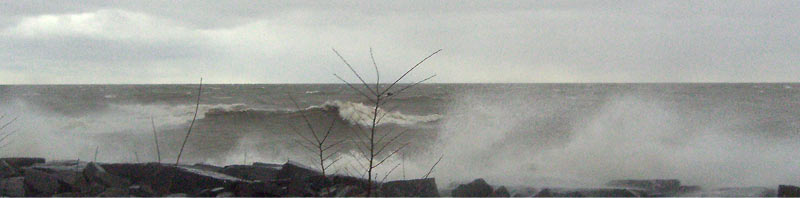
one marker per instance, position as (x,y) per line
(434,166)
(155,139)
(96,149)
(196,108)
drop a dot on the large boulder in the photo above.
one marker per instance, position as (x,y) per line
(114,192)
(476,188)
(249,172)
(411,188)
(788,191)
(656,187)
(500,192)
(12,187)
(40,183)
(94,173)
(257,189)
(7,170)
(20,162)
(555,192)
(295,175)
(170,179)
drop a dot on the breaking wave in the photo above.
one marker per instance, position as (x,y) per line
(352,112)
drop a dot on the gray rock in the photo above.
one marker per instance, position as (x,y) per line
(476,188)
(655,187)
(141,191)
(71,181)
(554,192)
(411,188)
(788,191)
(296,176)
(19,162)
(114,192)
(170,179)
(7,170)
(500,192)
(210,192)
(12,187)
(261,173)
(67,194)
(40,183)
(258,189)
(96,173)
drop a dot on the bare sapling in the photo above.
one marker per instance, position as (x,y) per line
(319,142)
(372,143)
(196,108)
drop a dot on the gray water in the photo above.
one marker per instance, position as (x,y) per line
(713,135)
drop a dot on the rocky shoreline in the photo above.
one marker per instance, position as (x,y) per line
(73,178)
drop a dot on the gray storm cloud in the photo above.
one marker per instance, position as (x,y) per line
(43,42)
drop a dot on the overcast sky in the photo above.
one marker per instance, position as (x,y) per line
(66,42)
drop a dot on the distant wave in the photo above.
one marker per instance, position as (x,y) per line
(354,113)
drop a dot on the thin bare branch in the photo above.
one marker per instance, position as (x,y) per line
(405,88)
(389,173)
(356,89)
(332,145)
(409,71)
(434,166)
(196,108)
(328,132)
(390,141)
(155,139)
(390,155)
(377,73)
(354,72)
(8,123)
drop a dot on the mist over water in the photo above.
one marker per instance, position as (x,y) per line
(714,135)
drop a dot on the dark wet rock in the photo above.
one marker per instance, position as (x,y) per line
(207,167)
(267,165)
(40,183)
(656,187)
(296,175)
(67,194)
(683,190)
(177,195)
(114,192)
(736,192)
(19,162)
(226,194)
(95,173)
(476,188)
(63,165)
(411,188)
(141,191)
(788,191)
(209,192)
(13,187)
(500,192)
(553,192)
(248,172)
(169,179)
(94,189)
(522,191)
(258,189)
(7,170)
